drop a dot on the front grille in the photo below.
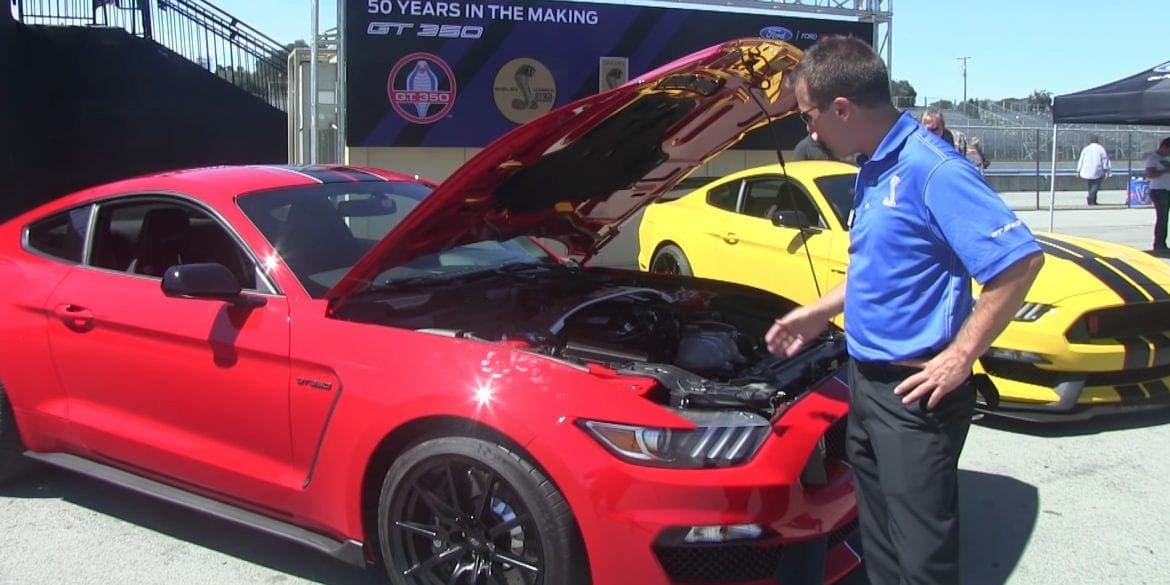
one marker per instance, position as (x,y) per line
(1126,321)
(731,562)
(719,563)
(835,442)
(843,533)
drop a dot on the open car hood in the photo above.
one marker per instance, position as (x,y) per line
(576,173)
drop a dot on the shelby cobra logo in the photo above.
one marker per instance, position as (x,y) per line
(421,87)
(524,89)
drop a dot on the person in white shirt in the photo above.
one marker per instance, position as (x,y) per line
(1093,167)
(1158,172)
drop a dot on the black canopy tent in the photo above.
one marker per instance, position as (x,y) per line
(1138,99)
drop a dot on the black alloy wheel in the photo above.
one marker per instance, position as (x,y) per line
(463,511)
(669,259)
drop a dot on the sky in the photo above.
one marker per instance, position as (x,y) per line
(1014,46)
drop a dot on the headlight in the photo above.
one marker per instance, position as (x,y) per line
(720,439)
(1031,311)
(1015,355)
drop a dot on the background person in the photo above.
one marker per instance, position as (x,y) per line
(924,223)
(933,121)
(976,155)
(1158,172)
(1093,167)
(809,148)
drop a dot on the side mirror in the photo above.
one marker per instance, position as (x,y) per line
(790,218)
(206,281)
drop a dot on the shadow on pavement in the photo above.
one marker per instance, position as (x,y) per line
(189,526)
(998,516)
(1101,424)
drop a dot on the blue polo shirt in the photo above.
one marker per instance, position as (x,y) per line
(924,223)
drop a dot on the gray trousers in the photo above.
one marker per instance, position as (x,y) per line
(905,459)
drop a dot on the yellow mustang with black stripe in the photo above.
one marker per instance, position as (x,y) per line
(1092,336)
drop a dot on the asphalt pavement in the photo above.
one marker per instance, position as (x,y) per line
(1042,505)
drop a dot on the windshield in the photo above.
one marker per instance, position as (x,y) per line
(322,230)
(838,189)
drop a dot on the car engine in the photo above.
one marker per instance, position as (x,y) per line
(701,340)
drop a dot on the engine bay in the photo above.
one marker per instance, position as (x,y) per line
(702,341)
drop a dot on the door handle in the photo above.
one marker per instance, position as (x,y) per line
(74,317)
(837,270)
(731,238)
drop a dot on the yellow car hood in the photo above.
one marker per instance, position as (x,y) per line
(1077,266)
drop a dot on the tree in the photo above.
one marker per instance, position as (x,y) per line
(1040,99)
(903,93)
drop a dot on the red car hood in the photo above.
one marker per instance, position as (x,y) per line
(576,173)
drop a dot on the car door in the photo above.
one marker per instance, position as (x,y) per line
(193,389)
(710,230)
(792,260)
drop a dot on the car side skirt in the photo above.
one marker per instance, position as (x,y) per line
(348,551)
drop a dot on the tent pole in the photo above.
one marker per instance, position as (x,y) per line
(1052,188)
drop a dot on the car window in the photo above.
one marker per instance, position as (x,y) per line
(763,197)
(146,236)
(322,230)
(838,189)
(724,196)
(62,235)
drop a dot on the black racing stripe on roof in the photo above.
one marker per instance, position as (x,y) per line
(1156,389)
(1137,353)
(1124,288)
(356,174)
(1130,392)
(328,174)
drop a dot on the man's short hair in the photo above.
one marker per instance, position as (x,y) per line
(1165,143)
(1094,138)
(844,67)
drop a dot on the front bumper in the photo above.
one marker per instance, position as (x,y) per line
(633,517)
(1033,394)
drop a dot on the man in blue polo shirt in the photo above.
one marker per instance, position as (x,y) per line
(924,223)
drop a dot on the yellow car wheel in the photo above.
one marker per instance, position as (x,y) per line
(669,259)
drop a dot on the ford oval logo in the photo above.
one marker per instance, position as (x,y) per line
(778,33)
(1163,68)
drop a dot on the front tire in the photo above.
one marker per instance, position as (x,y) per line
(462,510)
(12,461)
(670,259)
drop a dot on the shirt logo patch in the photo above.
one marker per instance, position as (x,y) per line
(891,200)
(1007,228)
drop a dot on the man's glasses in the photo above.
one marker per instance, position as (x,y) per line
(805,117)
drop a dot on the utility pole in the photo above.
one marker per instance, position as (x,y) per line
(314,87)
(964,60)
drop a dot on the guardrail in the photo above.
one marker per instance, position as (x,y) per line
(195,29)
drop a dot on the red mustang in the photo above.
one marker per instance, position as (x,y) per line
(398,373)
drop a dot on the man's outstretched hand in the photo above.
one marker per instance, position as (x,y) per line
(791,332)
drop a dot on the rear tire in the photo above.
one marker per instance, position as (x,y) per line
(670,259)
(458,509)
(13,464)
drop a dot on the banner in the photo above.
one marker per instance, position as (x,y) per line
(428,73)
